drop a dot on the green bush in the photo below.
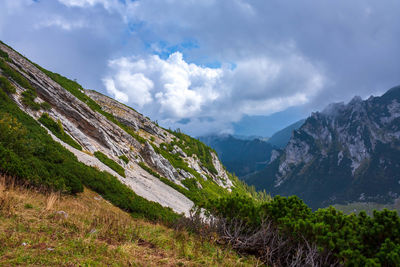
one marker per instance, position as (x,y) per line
(124,158)
(29,95)
(110,163)
(57,129)
(193,146)
(28,153)
(18,78)
(6,86)
(4,55)
(28,98)
(355,240)
(45,106)
(210,188)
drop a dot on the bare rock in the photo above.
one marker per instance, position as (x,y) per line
(159,163)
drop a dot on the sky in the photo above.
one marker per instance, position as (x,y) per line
(212,66)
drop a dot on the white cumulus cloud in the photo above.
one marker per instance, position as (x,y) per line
(207,99)
(109,5)
(176,88)
(61,22)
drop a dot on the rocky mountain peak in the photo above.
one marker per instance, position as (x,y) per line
(337,152)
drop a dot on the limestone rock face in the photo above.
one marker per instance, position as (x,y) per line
(135,120)
(222,178)
(127,115)
(158,162)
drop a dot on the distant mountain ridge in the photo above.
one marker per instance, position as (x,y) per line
(347,152)
(282,137)
(240,156)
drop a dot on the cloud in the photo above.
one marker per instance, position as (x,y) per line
(57,21)
(16,5)
(128,85)
(200,65)
(194,97)
(178,89)
(352,42)
(89,3)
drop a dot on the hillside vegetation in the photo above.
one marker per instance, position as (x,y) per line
(86,230)
(285,232)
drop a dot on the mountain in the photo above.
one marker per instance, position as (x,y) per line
(348,152)
(282,137)
(241,157)
(86,180)
(266,126)
(123,146)
(244,155)
(249,137)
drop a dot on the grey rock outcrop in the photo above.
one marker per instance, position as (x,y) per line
(159,163)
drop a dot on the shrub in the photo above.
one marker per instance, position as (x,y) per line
(4,55)
(193,146)
(353,240)
(29,95)
(110,163)
(57,129)
(6,86)
(45,106)
(124,158)
(28,99)
(17,77)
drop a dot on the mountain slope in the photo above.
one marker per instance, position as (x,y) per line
(240,156)
(166,167)
(345,153)
(282,137)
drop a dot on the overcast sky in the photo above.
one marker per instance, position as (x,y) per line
(203,65)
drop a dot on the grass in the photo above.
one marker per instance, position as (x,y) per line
(57,129)
(110,163)
(86,230)
(368,207)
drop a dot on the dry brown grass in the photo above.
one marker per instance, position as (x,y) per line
(51,200)
(58,230)
(87,152)
(7,202)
